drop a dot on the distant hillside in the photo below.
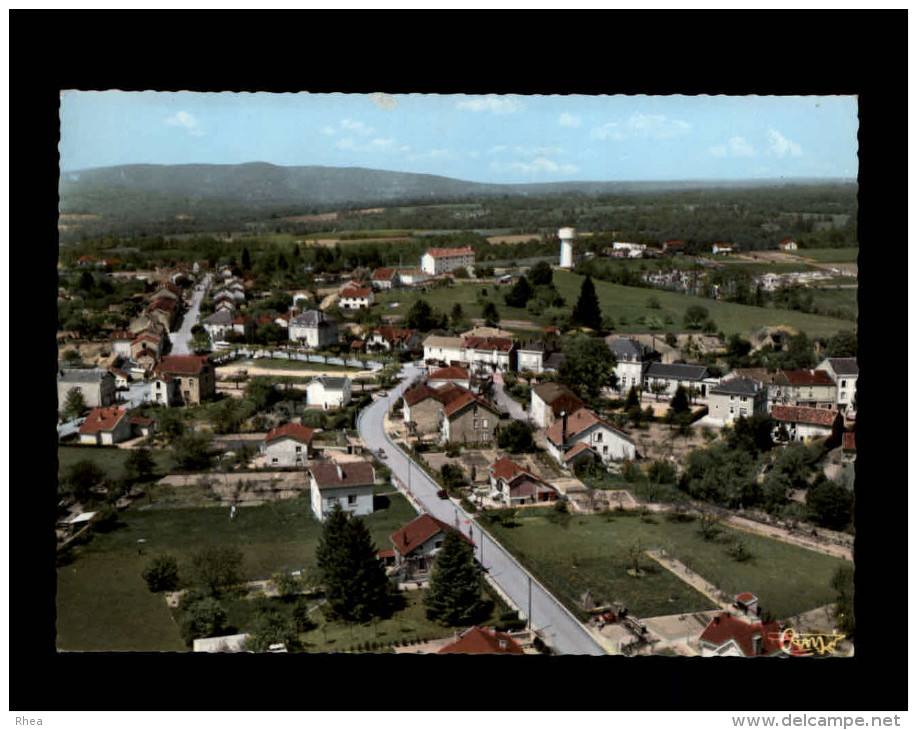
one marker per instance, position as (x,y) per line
(260,184)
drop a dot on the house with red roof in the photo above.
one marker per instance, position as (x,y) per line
(513,486)
(417,544)
(244,325)
(727,635)
(438,261)
(548,400)
(165,311)
(390,338)
(673,246)
(348,484)
(356,297)
(787,244)
(477,640)
(489,354)
(798,423)
(183,380)
(571,433)
(287,445)
(808,388)
(146,340)
(106,426)
(384,279)
(452,374)
(424,406)
(469,419)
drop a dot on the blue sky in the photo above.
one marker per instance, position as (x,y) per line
(498,139)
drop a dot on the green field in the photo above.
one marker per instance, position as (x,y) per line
(297,365)
(104,604)
(592,552)
(627,302)
(110,459)
(830,255)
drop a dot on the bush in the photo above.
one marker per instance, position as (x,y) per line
(161,574)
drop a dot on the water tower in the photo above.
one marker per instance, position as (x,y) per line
(566,236)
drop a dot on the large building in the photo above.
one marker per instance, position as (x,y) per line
(314,329)
(183,380)
(96,386)
(438,261)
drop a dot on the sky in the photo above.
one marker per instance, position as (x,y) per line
(486,138)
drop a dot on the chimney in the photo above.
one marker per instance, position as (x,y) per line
(716,619)
(340,472)
(563,428)
(756,643)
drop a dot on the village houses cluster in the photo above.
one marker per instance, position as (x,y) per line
(453,404)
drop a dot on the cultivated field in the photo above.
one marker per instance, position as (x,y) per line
(594,553)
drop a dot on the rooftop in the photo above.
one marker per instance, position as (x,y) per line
(478,640)
(346,474)
(418,531)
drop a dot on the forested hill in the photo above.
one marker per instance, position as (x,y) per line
(259,183)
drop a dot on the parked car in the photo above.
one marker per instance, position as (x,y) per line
(381,454)
(442,494)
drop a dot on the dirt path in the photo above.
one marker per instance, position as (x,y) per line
(695,580)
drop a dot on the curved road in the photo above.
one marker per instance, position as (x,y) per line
(563,631)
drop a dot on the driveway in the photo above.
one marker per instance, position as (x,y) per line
(563,631)
(506,403)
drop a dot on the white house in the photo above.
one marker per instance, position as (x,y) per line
(787,244)
(844,371)
(736,398)
(489,354)
(106,426)
(719,248)
(349,484)
(327,391)
(802,423)
(287,445)
(219,323)
(671,375)
(631,250)
(438,261)
(586,428)
(121,343)
(388,337)
(448,350)
(313,328)
(413,276)
(632,358)
(356,298)
(531,356)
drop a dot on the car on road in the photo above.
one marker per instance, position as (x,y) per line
(381,454)
(442,494)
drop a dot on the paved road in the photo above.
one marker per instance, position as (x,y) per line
(507,403)
(182,336)
(563,631)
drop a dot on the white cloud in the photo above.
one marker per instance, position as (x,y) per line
(328,129)
(644,126)
(358,127)
(609,129)
(718,151)
(538,165)
(186,121)
(781,146)
(568,120)
(491,105)
(739,147)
